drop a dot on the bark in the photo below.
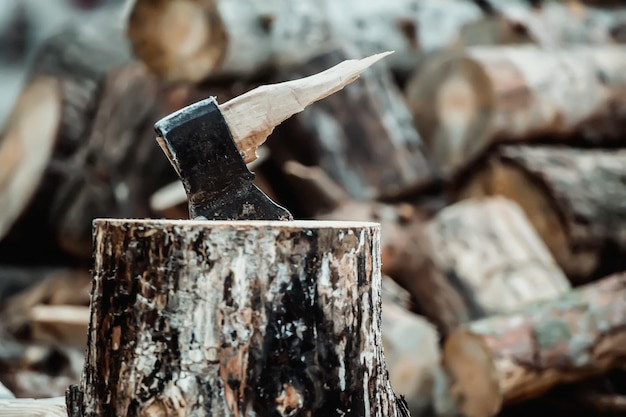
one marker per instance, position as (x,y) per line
(573,197)
(481,257)
(363,137)
(79,145)
(236,318)
(510,358)
(465,102)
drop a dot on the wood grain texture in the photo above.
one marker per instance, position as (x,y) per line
(28,407)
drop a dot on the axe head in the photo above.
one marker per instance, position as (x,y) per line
(198,143)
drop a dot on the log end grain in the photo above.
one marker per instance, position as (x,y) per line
(452,100)
(178,40)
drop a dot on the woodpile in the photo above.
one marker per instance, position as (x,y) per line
(490,147)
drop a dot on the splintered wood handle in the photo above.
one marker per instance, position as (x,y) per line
(253,116)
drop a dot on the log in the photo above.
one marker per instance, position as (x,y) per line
(362,137)
(464,102)
(90,152)
(412,357)
(548,24)
(191,316)
(217,38)
(202,38)
(510,358)
(370,26)
(478,258)
(573,197)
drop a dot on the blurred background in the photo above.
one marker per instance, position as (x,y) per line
(490,146)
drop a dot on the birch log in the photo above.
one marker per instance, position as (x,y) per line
(236,318)
(517,356)
(463,103)
(574,198)
(478,258)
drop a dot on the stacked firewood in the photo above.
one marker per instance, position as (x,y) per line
(490,147)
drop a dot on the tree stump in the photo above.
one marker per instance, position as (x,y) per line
(238,318)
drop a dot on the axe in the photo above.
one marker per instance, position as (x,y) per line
(209,144)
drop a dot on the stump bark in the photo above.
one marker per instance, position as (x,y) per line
(236,318)
(573,197)
(481,257)
(464,102)
(517,356)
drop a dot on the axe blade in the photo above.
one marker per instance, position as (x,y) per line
(200,147)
